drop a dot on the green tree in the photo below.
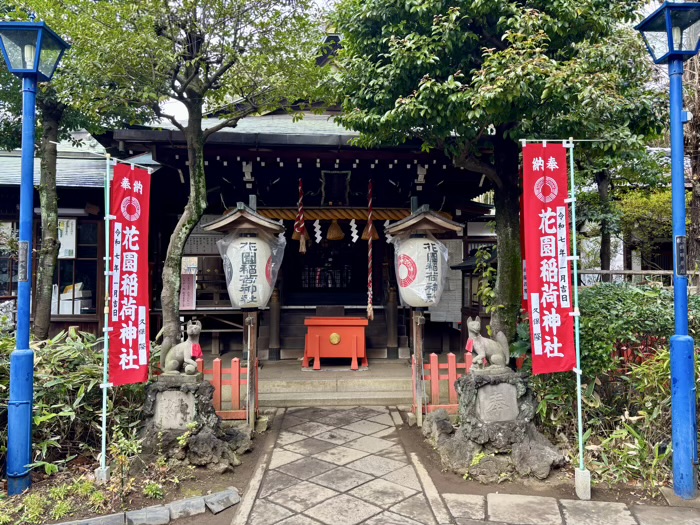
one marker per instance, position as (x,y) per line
(56,120)
(234,57)
(447,71)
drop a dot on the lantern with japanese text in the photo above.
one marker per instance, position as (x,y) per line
(421,260)
(248,270)
(420,270)
(252,252)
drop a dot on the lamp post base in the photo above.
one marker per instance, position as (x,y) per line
(683,412)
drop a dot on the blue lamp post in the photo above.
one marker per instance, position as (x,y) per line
(672,35)
(32,51)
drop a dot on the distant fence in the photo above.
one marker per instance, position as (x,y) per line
(590,277)
(238,377)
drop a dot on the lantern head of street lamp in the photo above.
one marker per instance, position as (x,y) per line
(672,31)
(31,48)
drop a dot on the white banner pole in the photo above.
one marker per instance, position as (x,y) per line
(583,476)
(102,473)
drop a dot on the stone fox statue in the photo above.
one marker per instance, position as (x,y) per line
(496,352)
(181,357)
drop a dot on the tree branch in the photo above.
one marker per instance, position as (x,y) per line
(470,162)
(220,72)
(159,112)
(229,122)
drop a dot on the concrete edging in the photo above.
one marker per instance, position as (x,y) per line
(164,514)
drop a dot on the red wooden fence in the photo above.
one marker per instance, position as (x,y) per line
(238,378)
(432,378)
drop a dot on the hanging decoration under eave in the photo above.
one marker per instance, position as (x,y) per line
(369,230)
(300,234)
(335,232)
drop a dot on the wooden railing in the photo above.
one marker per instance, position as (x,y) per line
(238,378)
(433,380)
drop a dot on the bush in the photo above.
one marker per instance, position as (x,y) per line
(626,400)
(68,398)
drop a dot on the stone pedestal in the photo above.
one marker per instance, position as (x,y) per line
(496,436)
(178,405)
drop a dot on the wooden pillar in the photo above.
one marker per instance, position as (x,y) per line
(418,323)
(274,346)
(392,316)
(250,332)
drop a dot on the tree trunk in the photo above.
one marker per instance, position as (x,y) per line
(51,115)
(194,209)
(603,181)
(509,275)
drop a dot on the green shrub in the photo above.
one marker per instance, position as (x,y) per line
(68,398)
(626,409)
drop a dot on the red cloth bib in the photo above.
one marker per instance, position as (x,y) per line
(196,351)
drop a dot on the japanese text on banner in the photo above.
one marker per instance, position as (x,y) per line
(546,232)
(129,289)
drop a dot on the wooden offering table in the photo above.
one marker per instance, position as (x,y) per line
(335,337)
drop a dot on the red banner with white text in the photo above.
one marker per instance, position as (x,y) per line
(129,342)
(546,229)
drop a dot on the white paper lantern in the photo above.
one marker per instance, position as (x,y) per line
(420,270)
(251,272)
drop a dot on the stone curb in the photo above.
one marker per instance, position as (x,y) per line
(163,514)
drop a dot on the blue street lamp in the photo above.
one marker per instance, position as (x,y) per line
(32,51)
(672,35)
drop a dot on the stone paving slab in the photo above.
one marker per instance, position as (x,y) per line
(309,446)
(382,493)
(287,438)
(389,518)
(340,455)
(596,513)
(417,508)
(466,505)
(342,479)
(343,509)
(275,481)
(306,468)
(266,512)
(375,465)
(338,436)
(405,476)
(523,510)
(365,427)
(281,457)
(301,496)
(370,444)
(652,515)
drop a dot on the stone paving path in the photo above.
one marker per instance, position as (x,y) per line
(346,466)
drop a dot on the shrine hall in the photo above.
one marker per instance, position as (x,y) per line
(271,162)
(267,163)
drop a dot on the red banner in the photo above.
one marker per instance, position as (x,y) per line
(129,342)
(546,227)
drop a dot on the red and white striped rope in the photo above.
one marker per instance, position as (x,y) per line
(370,226)
(299,226)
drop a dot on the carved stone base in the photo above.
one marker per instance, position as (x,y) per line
(179,379)
(180,407)
(496,437)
